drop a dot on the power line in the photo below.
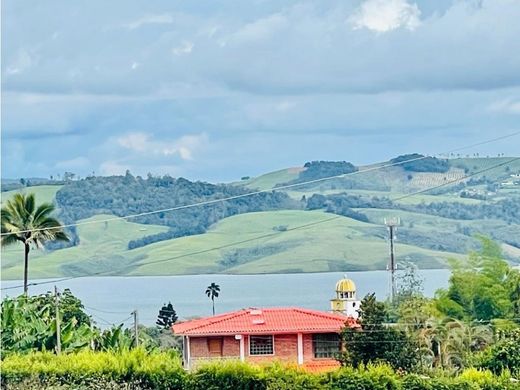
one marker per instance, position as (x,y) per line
(283,187)
(104,311)
(269,234)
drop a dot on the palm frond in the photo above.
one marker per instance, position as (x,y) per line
(42,213)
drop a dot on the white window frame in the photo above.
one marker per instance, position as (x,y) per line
(261,354)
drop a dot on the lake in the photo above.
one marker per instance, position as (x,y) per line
(111,299)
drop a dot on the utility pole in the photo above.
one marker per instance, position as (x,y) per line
(58,327)
(136,327)
(392,224)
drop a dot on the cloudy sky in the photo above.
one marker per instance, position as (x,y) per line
(216,90)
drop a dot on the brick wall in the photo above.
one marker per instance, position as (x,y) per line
(285,349)
(199,347)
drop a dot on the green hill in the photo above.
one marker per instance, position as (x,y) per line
(337,245)
(261,234)
(45,193)
(103,247)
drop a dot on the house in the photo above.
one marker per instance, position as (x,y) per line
(304,337)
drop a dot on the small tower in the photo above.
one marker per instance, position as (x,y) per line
(345,301)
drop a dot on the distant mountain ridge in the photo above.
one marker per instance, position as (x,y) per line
(440,221)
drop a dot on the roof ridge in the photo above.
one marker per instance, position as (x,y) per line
(229,315)
(317,313)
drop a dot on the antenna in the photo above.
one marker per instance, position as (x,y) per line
(392,224)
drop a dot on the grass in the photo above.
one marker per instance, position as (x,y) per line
(329,246)
(415,199)
(42,193)
(337,245)
(270,180)
(102,247)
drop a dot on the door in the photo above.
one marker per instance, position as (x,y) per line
(215,346)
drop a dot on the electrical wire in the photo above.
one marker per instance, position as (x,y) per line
(104,311)
(269,234)
(283,187)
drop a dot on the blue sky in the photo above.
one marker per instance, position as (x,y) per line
(216,90)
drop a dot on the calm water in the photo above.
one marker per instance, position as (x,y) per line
(111,299)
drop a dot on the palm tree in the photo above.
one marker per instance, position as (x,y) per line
(212,292)
(32,226)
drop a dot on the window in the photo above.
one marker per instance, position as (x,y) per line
(261,345)
(325,345)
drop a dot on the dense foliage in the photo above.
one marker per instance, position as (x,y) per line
(138,369)
(467,337)
(482,288)
(23,222)
(319,169)
(419,163)
(377,342)
(127,195)
(167,316)
(29,324)
(507,210)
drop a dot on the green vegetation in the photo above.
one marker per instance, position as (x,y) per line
(473,323)
(212,292)
(377,342)
(160,370)
(167,316)
(342,244)
(419,163)
(435,225)
(44,193)
(320,169)
(127,195)
(103,248)
(423,347)
(24,222)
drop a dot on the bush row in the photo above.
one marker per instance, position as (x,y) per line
(138,369)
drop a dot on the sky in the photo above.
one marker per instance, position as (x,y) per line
(217,90)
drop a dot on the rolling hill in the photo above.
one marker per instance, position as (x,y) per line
(276,234)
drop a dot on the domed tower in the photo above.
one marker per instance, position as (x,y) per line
(345,301)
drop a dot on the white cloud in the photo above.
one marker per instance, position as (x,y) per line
(184,147)
(261,29)
(21,62)
(508,106)
(386,15)
(184,48)
(150,19)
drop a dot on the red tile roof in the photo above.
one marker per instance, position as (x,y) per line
(261,321)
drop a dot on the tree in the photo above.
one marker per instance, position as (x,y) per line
(410,283)
(484,287)
(376,341)
(167,316)
(212,292)
(33,226)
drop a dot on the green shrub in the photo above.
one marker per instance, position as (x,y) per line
(371,377)
(225,375)
(139,369)
(280,377)
(94,369)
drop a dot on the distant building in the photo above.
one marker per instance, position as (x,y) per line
(345,301)
(307,338)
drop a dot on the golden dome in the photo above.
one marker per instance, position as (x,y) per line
(345,285)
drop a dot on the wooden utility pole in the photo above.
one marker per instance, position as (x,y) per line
(136,327)
(58,326)
(392,224)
